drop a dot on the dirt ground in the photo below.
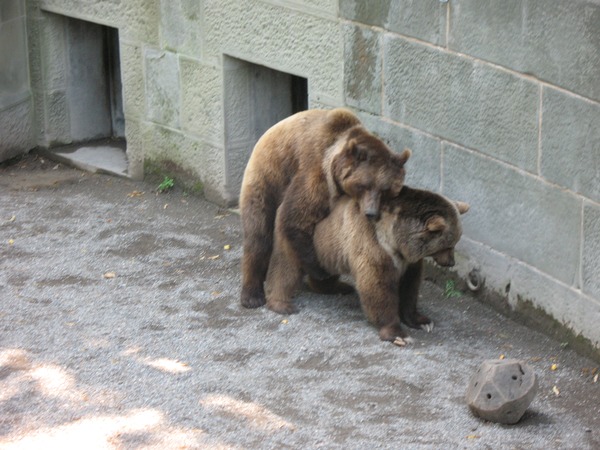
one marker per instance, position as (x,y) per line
(120,327)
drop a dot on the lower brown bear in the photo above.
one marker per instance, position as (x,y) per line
(385,258)
(302,165)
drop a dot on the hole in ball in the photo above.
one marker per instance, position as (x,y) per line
(489,396)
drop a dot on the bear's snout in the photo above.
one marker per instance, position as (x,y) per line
(370,204)
(445,258)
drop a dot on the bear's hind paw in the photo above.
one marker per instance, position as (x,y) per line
(282,307)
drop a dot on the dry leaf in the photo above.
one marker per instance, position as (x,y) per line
(166,206)
(502,356)
(596,378)
(135,194)
(556,391)
(109,275)
(12,218)
(11,241)
(227,247)
(214,257)
(473,436)
(284,321)
(554,367)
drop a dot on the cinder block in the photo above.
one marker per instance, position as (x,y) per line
(362,68)
(135,148)
(137,20)
(201,99)
(462,100)
(423,169)
(198,158)
(53,51)
(57,120)
(181,26)
(237,102)
(16,129)
(162,87)
(279,38)
(591,250)
(554,40)
(422,19)
(515,213)
(13,58)
(501,390)
(571,142)
(134,90)
(164,144)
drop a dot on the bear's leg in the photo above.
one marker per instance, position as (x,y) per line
(378,291)
(258,221)
(305,203)
(410,284)
(284,275)
(330,286)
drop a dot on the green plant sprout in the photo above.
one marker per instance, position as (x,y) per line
(450,290)
(166,184)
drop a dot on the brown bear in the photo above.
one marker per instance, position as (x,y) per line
(385,258)
(302,165)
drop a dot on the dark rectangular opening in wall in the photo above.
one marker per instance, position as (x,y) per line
(299,94)
(93,81)
(93,127)
(256,97)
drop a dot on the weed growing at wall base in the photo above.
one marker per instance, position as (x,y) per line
(450,290)
(166,184)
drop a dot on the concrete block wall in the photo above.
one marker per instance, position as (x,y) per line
(499,101)
(16,103)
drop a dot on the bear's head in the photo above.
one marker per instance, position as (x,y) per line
(366,168)
(416,224)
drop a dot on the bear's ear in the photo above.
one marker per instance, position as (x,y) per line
(435,223)
(403,157)
(462,207)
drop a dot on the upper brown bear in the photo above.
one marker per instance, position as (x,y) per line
(303,164)
(385,257)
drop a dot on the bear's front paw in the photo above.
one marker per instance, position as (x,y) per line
(282,307)
(402,342)
(395,334)
(428,327)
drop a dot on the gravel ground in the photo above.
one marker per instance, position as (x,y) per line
(120,327)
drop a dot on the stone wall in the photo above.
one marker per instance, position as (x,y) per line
(16,104)
(499,101)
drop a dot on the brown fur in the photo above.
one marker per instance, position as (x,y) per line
(385,258)
(302,165)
